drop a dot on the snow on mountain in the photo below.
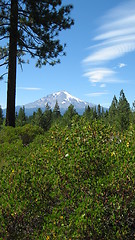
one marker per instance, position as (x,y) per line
(64,100)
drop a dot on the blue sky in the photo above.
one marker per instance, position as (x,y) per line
(100,57)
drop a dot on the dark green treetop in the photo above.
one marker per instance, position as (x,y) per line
(133,112)
(113,111)
(133,106)
(69,114)
(123,111)
(89,113)
(38,118)
(99,110)
(21,118)
(119,112)
(47,118)
(56,111)
(1,116)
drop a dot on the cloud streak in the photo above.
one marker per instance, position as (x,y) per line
(115,38)
(99,75)
(103,85)
(29,89)
(96,94)
(102,76)
(109,53)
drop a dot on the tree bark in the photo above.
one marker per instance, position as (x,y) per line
(11,90)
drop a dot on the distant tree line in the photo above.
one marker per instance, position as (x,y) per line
(119,115)
(45,119)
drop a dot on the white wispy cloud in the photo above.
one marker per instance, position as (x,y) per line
(120,16)
(108,53)
(96,94)
(115,38)
(116,33)
(101,75)
(97,74)
(122,65)
(103,85)
(29,88)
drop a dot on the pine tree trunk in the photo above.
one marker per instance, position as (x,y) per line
(11,91)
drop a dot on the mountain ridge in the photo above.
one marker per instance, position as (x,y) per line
(64,100)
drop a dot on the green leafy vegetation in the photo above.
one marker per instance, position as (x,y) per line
(71,182)
(1,116)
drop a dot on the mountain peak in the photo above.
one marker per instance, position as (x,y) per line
(66,95)
(63,98)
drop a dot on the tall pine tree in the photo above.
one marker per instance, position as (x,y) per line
(38,118)
(47,117)
(1,116)
(99,111)
(56,111)
(123,112)
(113,112)
(21,118)
(69,114)
(133,112)
(87,112)
(30,27)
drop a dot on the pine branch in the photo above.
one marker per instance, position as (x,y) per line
(4,17)
(4,37)
(28,49)
(1,58)
(2,64)
(23,13)
(28,30)
(5,24)
(3,4)
(1,76)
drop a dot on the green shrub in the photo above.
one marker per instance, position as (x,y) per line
(70,184)
(28,133)
(8,134)
(13,140)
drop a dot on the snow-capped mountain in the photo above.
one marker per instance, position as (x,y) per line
(64,100)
